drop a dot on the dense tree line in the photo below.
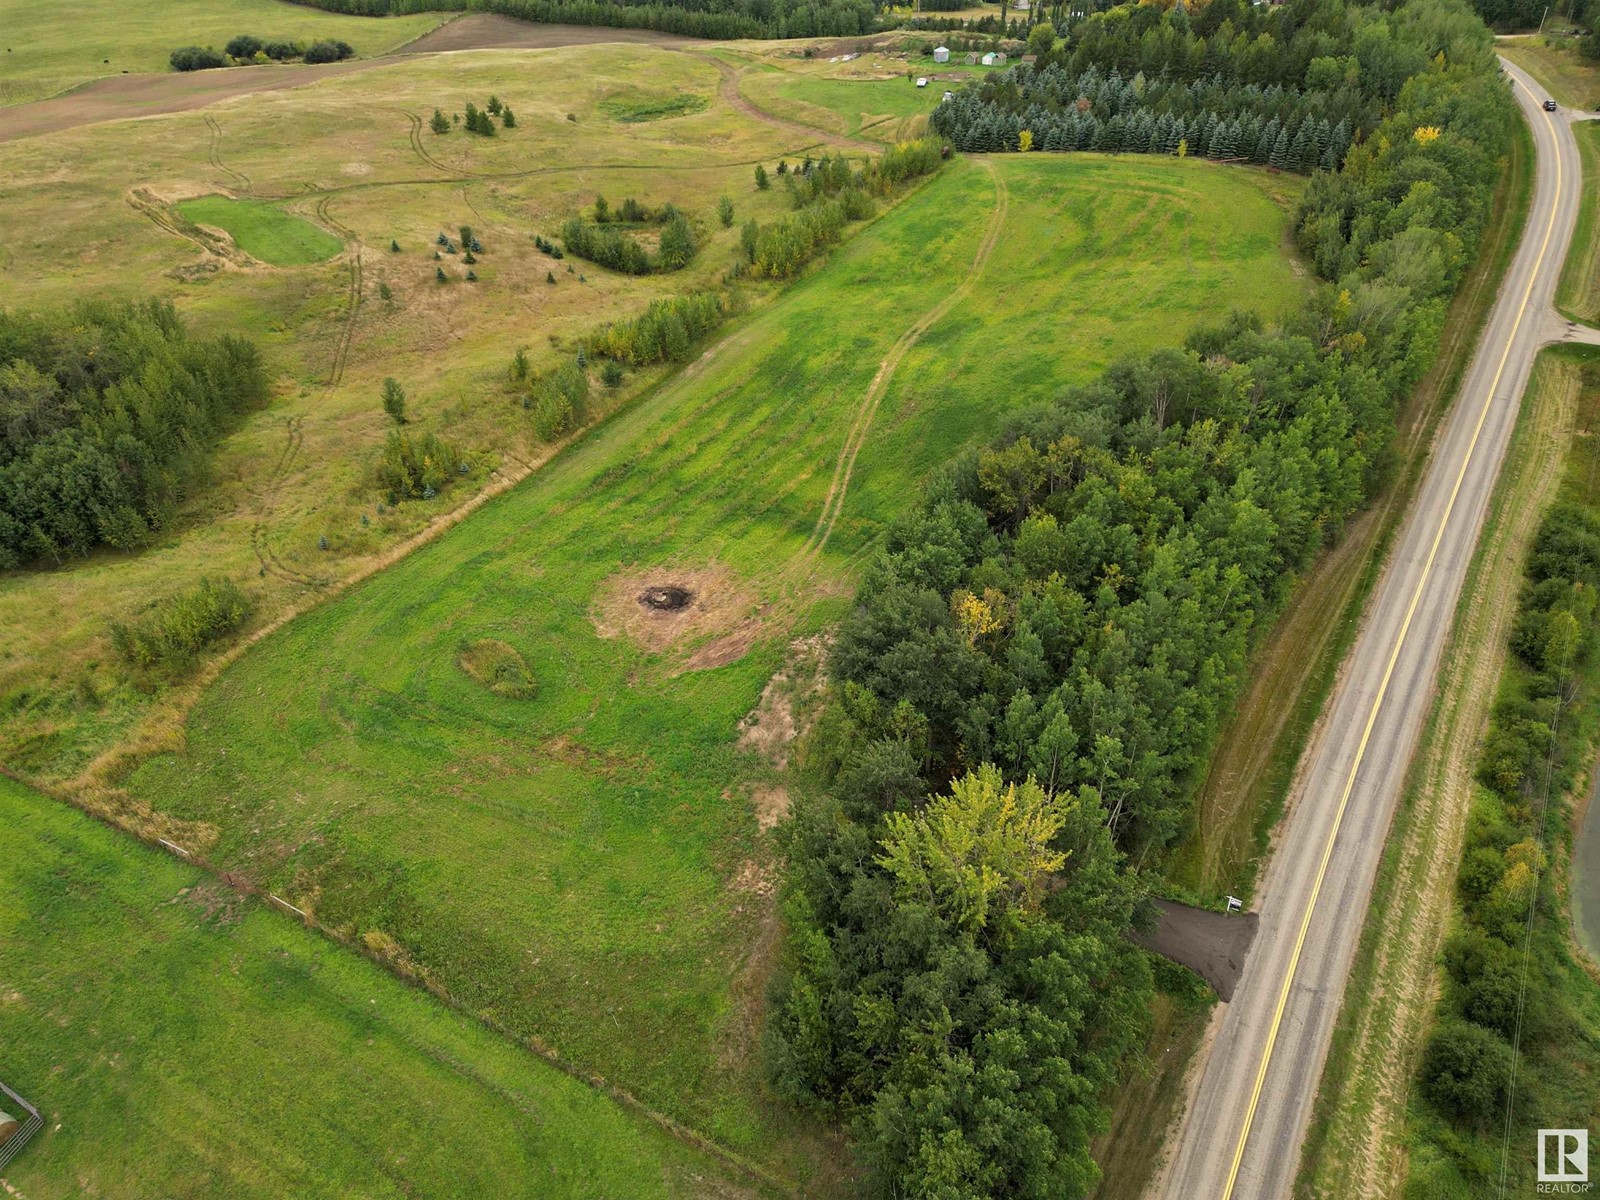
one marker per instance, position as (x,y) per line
(1285,128)
(107,414)
(1507,965)
(1287,85)
(1509,16)
(718,19)
(1073,605)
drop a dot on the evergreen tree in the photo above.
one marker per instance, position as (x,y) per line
(394,400)
(439,124)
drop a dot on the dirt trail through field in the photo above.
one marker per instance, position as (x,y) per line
(867,409)
(124,96)
(728,89)
(1364,1155)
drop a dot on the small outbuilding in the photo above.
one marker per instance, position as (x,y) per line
(1000,59)
(941,54)
(988,59)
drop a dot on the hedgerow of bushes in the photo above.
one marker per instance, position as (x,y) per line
(1074,605)
(247,49)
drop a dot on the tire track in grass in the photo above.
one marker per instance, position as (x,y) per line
(867,408)
(728,89)
(241,181)
(422,151)
(259,540)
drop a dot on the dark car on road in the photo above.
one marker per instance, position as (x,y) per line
(1549,106)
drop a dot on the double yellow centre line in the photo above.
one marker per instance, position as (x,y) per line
(1388,674)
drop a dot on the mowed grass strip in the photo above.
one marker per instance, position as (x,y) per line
(263,230)
(583,865)
(182,1040)
(49,49)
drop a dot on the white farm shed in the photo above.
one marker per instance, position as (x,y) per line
(941,54)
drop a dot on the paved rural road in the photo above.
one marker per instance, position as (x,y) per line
(1242,1133)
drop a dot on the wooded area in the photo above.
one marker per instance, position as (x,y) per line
(108,413)
(1073,605)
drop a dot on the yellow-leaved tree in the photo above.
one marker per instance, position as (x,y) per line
(982,850)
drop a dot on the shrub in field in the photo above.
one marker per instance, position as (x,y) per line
(664,332)
(500,668)
(440,123)
(605,247)
(197,58)
(163,643)
(329,51)
(244,46)
(1466,1070)
(416,467)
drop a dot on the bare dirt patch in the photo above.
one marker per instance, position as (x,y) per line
(126,96)
(787,706)
(771,804)
(667,607)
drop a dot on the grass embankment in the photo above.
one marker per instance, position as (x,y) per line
(1253,766)
(1578,294)
(182,1040)
(49,50)
(264,230)
(584,865)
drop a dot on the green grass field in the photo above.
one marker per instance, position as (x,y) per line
(263,230)
(181,1040)
(584,866)
(50,47)
(848,106)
